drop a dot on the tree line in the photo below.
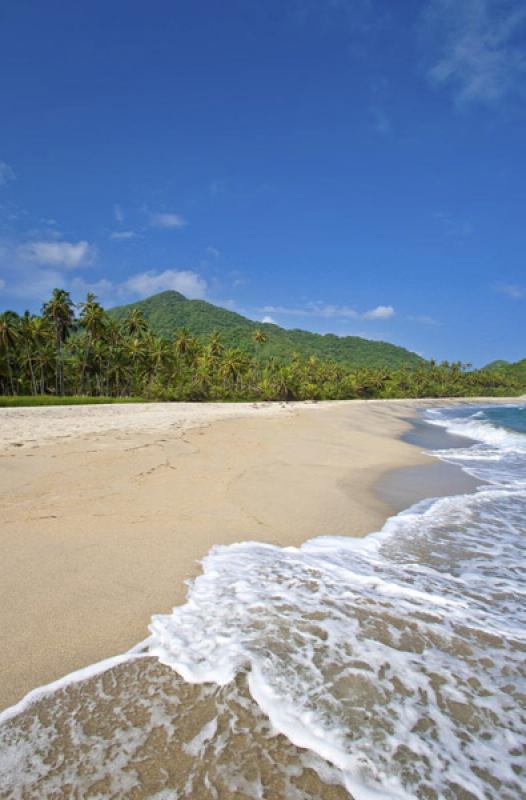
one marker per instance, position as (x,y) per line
(81,350)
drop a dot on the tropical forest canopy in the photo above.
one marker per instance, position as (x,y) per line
(515,371)
(84,351)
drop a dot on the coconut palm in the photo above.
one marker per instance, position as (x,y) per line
(9,333)
(183,344)
(60,311)
(232,366)
(27,353)
(113,357)
(135,323)
(259,336)
(93,319)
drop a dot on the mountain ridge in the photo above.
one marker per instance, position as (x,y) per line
(169,311)
(514,369)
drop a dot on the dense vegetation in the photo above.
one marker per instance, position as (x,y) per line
(168,312)
(515,371)
(97,355)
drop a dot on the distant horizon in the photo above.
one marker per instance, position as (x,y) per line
(339,167)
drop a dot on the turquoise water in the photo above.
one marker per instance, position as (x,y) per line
(511,417)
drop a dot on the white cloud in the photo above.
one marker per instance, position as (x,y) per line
(268,319)
(380,312)
(187,282)
(65,255)
(474,48)
(313,309)
(167,220)
(123,235)
(6,174)
(511,290)
(30,272)
(329,311)
(423,319)
(44,234)
(25,279)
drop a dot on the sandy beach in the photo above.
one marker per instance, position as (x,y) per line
(105,511)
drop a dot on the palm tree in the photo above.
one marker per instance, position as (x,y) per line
(135,323)
(183,343)
(157,353)
(9,333)
(118,372)
(123,358)
(232,366)
(27,352)
(259,336)
(42,337)
(285,384)
(215,346)
(60,311)
(93,319)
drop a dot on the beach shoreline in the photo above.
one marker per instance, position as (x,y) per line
(107,510)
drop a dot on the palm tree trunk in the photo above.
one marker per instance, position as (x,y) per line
(9,369)
(33,381)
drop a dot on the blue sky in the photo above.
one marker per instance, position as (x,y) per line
(353,166)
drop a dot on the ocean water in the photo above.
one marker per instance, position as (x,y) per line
(392,666)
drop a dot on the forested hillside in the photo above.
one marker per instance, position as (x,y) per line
(514,370)
(168,312)
(82,352)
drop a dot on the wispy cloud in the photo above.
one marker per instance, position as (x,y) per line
(188,282)
(118,213)
(167,220)
(380,312)
(330,311)
(7,173)
(315,309)
(31,269)
(475,48)
(423,319)
(65,255)
(123,235)
(512,290)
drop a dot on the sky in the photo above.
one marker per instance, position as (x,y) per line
(345,166)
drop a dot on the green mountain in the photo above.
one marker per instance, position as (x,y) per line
(515,370)
(170,311)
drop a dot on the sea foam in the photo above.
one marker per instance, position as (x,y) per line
(398,658)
